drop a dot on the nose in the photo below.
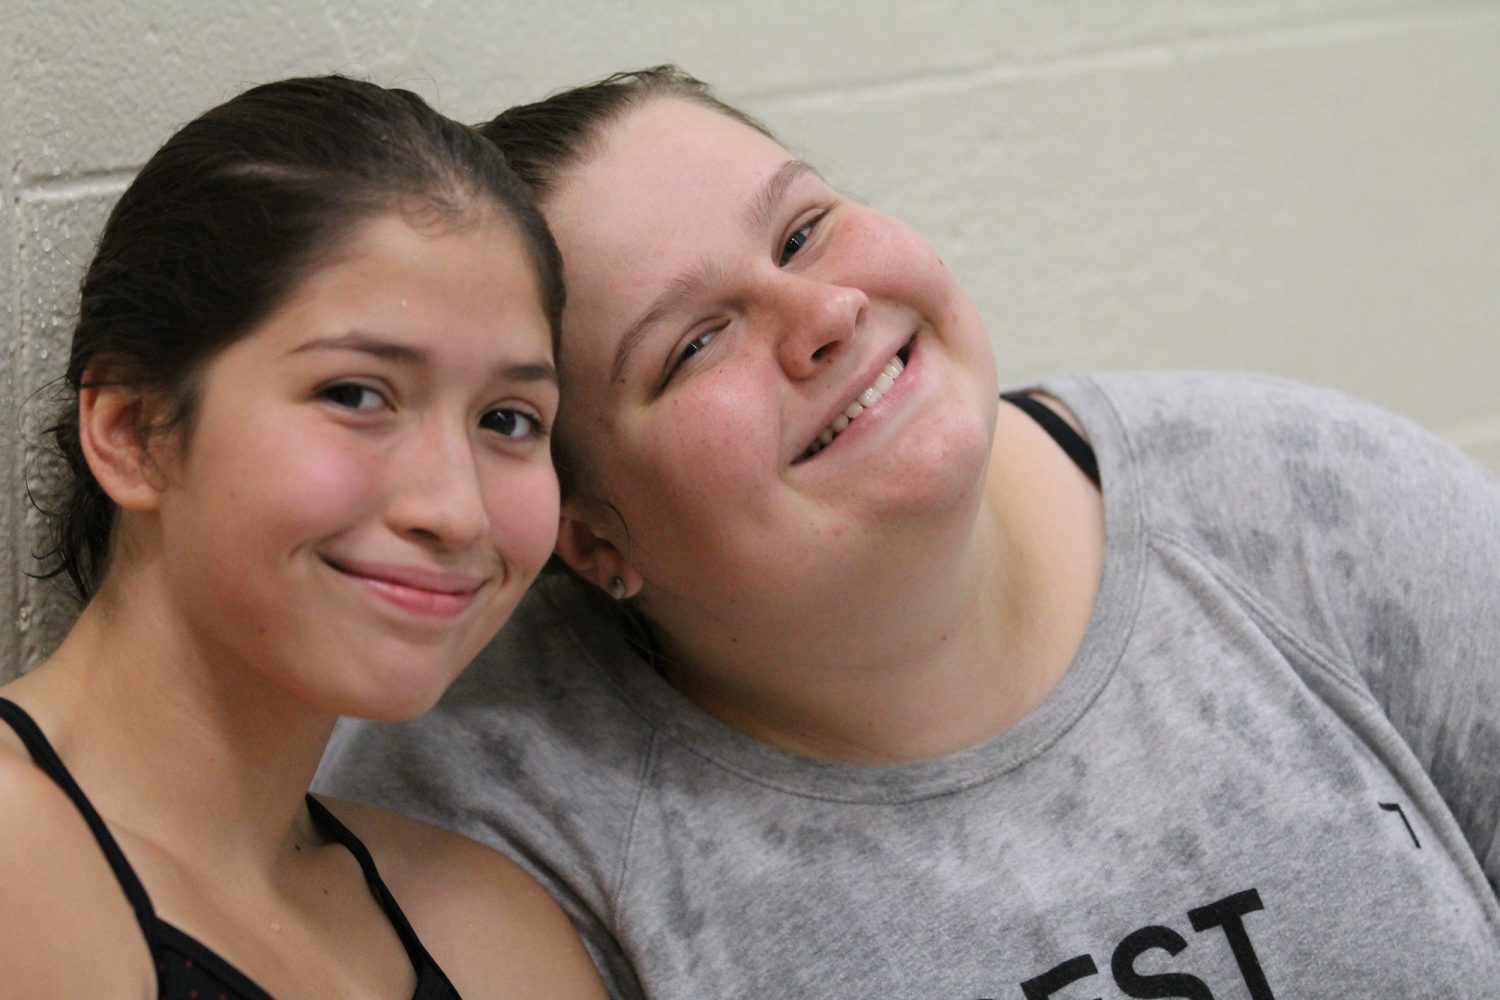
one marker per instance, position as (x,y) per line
(437,500)
(816,320)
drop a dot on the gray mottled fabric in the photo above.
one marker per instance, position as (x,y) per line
(1273,769)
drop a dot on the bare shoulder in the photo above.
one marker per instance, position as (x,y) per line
(66,928)
(493,929)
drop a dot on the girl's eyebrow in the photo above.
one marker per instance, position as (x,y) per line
(774,189)
(757,216)
(364,343)
(540,371)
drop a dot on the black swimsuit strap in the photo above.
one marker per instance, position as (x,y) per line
(51,764)
(1069,440)
(334,829)
(431,983)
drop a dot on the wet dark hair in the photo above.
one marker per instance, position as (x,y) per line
(221,226)
(546,139)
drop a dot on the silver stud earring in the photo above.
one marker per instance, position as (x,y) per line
(617,588)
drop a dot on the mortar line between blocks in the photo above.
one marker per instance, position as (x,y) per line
(46,190)
(1186,46)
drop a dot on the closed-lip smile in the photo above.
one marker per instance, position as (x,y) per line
(428,592)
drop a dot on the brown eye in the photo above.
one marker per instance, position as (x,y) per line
(512,423)
(352,396)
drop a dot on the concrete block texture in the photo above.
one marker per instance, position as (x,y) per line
(57,230)
(11,504)
(1307,187)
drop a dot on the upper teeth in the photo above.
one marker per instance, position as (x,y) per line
(863,402)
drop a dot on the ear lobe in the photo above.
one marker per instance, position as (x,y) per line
(111,422)
(592,556)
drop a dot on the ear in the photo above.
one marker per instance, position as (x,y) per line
(592,555)
(111,430)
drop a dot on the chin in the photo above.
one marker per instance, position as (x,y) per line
(388,709)
(942,471)
(394,693)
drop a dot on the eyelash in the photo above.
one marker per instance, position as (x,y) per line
(693,347)
(793,245)
(339,395)
(798,240)
(538,429)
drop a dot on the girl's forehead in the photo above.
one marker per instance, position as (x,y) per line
(672,147)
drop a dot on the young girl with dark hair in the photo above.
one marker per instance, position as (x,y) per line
(310,391)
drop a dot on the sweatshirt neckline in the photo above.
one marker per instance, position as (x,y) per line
(1115,607)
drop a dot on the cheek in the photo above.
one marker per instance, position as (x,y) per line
(722,411)
(324,485)
(890,259)
(715,435)
(523,508)
(292,488)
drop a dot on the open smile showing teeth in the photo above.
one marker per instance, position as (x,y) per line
(862,402)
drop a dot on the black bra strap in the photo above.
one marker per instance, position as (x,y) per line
(1069,440)
(51,765)
(334,829)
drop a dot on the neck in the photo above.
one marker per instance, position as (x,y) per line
(202,758)
(960,631)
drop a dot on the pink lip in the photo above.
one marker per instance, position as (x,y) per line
(896,392)
(431,593)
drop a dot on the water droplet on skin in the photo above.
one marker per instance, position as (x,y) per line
(46,246)
(44,354)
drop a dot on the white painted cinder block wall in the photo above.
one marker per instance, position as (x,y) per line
(1307,187)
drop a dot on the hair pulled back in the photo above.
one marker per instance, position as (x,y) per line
(543,140)
(222,224)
